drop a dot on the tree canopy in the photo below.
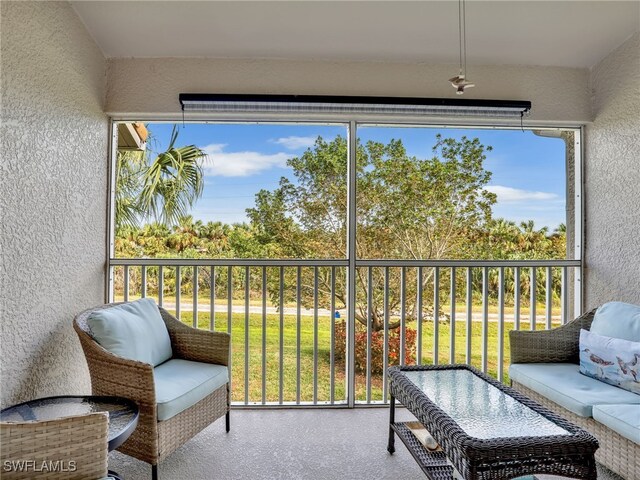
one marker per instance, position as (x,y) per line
(407,208)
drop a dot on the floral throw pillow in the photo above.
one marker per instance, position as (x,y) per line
(611,360)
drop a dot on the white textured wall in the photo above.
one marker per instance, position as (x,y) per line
(612,174)
(152,85)
(53,177)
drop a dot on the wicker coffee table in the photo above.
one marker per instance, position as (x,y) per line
(485,429)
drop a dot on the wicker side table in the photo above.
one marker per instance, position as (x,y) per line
(123,414)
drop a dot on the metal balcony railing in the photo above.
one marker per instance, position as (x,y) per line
(292,336)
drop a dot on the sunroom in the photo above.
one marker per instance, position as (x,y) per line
(321,299)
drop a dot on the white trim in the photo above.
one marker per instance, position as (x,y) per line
(578,209)
(111,211)
(427,121)
(351,253)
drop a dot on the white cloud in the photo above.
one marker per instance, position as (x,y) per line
(295,143)
(240,164)
(509,194)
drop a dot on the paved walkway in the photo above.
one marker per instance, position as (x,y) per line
(461,315)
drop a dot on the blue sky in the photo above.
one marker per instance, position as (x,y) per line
(528,170)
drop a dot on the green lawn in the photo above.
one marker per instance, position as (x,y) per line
(290,370)
(306,355)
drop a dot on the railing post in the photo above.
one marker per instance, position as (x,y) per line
(212,299)
(315,335)
(281,339)
(548,307)
(516,298)
(533,299)
(195,296)
(469,329)
(178,290)
(332,360)
(160,285)
(369,328)
(500,324)
(264,335)
(419,316)
(403,315)
(230,320)
(385,362)
(485,316)
(229,298)
(126,283)
(564,297)
(247,287)
(436,315)
(298,327)
(110,283)
(143,280)
(452,318)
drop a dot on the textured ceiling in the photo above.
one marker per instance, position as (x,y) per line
(569,34)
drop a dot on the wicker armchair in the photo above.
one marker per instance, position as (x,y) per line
(70,448)
(561,345)
(154,440)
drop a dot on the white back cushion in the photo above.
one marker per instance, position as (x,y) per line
(618,320)
(133,330)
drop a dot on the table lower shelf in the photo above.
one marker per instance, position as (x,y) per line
(433,463)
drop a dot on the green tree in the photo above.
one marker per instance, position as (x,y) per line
(163,188)
(407,208)
(502,239)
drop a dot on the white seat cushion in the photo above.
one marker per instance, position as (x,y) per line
(623,419)
(563,384)
(182,383)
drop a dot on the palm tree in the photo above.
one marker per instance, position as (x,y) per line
(163,189)
(130,168)
(532,239)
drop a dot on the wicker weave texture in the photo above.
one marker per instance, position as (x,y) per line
(498,458)
(549,346)
(152,441)
(196,345)
(616,452)
(70,448)
(433,464)
(175,431)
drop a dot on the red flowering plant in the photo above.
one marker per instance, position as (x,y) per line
(377,347)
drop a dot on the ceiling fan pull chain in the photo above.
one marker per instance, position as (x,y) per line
(464,30)
(460,32)
(460,82)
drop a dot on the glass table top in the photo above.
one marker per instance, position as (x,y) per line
(121,412)
(479,408)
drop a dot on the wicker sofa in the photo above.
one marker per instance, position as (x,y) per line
(160,429)
(545,367)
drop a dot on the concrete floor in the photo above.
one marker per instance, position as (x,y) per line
(313,444)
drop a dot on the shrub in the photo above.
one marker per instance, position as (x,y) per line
(377,347)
